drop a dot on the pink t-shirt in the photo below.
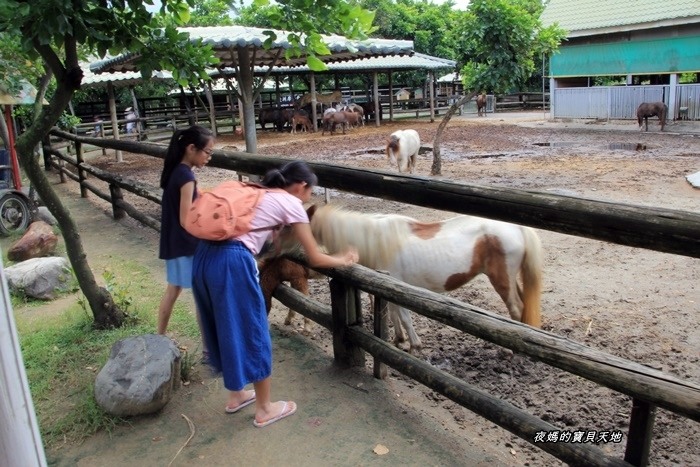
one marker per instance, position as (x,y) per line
(275,210)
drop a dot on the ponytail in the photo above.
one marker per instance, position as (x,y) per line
(197,135)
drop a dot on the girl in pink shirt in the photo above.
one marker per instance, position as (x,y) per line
(227,291)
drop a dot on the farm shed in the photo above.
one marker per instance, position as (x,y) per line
(284,76)
(241,48)
(649,43)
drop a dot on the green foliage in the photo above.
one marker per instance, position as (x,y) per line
(306,22)
(67,121)
(211,13)
(502,41)
(119,292)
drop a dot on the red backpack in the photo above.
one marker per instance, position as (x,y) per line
(225,211)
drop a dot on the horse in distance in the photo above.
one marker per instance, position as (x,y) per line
(440,256)
(651,109)
(402,149)
(481,105)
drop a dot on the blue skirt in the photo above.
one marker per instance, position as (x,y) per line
(227,291)
(178,271)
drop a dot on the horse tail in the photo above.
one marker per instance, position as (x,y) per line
(531,271)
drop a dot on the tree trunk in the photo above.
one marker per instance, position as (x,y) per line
(104,310)
(436,168)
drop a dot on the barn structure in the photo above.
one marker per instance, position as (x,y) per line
(242,49)
(653,48)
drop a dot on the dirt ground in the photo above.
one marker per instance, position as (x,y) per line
(636,304)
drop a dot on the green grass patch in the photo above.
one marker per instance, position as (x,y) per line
(63,353)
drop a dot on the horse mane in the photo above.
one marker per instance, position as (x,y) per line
(377,237)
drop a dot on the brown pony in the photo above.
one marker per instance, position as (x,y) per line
(481,105)
(301,119)
(331,119)
(651,109)
(274,271)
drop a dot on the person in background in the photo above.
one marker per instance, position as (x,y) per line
(189,148)
(227,290)
(97,129)
(130,117)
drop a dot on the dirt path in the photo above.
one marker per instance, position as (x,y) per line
(636,304)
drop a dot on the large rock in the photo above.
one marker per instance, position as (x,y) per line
(43,214)
(139,377)
(40,278)
(38,241)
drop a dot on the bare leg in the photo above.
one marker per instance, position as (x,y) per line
(236,398)
(166,306)
(264,408)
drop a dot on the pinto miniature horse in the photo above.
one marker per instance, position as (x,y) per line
(651,109)
(402,149)
(439,256)
(481,105)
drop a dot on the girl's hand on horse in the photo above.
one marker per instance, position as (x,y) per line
(350,257)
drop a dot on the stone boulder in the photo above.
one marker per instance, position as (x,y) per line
(40,278)
(140,376)
(43,214)
(38,241)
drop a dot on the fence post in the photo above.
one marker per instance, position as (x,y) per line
(380,331)
(81,172)
(640,433)
(346,311)
(116,194)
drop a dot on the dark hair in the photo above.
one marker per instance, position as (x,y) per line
(197,135)
(290,173)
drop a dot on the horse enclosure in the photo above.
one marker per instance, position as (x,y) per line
(664,230)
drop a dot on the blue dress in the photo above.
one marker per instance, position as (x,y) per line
(232,310)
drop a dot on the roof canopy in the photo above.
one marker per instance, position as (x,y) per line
(227,39)
(376,64)
(589,17)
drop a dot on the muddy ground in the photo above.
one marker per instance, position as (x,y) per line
(636,304)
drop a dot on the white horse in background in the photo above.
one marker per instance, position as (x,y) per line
(402,149)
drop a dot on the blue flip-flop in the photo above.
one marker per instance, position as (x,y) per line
(241,405)
(287,409)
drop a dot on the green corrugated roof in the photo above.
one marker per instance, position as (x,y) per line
(587,17)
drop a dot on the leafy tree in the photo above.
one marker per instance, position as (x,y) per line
(500,42)
(51,32)
(212,13)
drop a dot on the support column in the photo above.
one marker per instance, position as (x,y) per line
(673,97)
(377,104)
(314,114)
(113,116)
(431,84)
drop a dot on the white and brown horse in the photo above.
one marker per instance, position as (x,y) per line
(439,256)
(402,149)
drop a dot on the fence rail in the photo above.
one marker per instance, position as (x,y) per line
(663,230)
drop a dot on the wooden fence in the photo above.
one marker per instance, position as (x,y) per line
(663,230)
